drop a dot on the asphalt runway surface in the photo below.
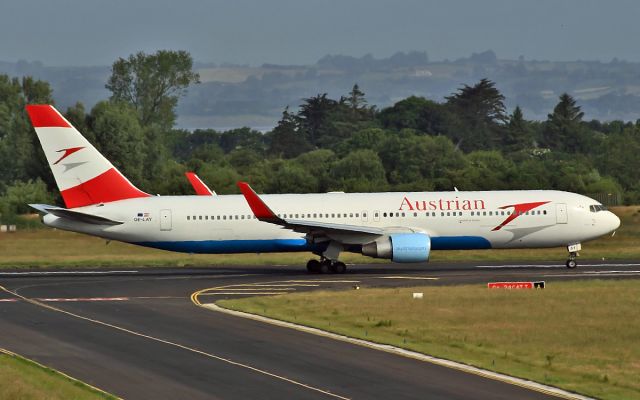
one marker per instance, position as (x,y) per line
(137,333)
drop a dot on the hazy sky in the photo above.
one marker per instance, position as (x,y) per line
(96,32)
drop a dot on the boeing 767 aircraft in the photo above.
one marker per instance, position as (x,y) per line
(403,227)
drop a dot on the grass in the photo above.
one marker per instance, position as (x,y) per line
(23,379)
(580,336)
(46,247)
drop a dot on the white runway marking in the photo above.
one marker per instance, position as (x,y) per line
(300,281)
(239,293)
(521,266)
(251,289)
(177,345)
(426,278)
(26,273)
(610,265)
(550,390)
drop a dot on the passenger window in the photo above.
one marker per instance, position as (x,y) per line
(415,214)
(442,214)
(544,212)
(351,215)
(188,218)
(403,214)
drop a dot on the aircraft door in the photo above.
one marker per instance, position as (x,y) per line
(561,213)
(165,220)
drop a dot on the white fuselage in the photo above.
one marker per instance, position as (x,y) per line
(453,220)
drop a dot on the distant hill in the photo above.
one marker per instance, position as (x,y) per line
(231,95)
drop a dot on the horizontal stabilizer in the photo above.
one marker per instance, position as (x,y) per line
(74,215)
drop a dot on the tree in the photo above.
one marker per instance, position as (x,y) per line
(286,139)
(562,129)
(481,108)
(360,171)
(152,84)
(20,155)
(518,134)
(356,100)
(314,113)
(119,137)
(418,113)
(19,195)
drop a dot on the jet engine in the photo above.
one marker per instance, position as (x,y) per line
(400,247)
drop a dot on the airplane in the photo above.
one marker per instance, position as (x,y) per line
(401,226)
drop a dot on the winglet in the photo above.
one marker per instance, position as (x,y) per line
(259,208)
(200,187)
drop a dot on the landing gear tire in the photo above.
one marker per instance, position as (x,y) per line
(325,267)
(314,266)
(571,262)
(339,267)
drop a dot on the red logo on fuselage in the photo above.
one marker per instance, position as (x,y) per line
(518,210)
(455,204)
(67,153)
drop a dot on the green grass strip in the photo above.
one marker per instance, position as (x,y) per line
(21,378)
(580,336)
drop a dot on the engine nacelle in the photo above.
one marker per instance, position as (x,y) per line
(400,247)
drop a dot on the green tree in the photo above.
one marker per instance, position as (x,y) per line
(286,139)
(119,137)
(152,84)
(420,114)
(314,114)
(19,195)
(518,135)
(20,154)
(563,130)
(482,110)
(292,178)
(360,171)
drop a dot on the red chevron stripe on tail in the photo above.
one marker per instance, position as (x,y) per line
(83,175)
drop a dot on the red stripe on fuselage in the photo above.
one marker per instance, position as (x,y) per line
(43,115)
(518,210)
(106,187)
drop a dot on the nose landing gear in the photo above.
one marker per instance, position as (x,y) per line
(573,254)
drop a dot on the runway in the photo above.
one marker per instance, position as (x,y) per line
(138,334)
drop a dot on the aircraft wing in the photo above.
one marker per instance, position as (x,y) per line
(74,215)
(316,230)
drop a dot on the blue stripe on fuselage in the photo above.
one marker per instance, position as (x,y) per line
(459,243)
(290,245)
(233,246)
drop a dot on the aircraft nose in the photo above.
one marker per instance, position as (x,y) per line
(614,221)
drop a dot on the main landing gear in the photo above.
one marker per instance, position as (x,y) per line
(325,266)
(573,254)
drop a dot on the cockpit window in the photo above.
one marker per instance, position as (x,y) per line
(597,208)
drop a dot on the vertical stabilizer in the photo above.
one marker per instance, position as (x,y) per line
(84,177)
